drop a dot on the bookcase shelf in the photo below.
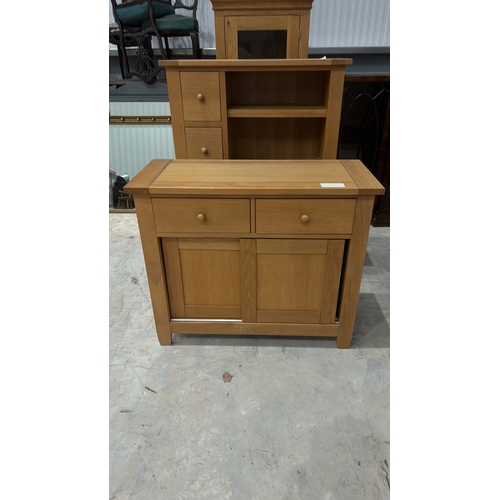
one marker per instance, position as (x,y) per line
(264,109)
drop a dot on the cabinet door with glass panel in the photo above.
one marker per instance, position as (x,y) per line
(266,37)
(275,29)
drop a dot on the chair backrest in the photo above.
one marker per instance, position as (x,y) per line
(192,5)
(134,12)
(129,16)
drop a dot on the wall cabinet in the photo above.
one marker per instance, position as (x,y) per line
(280,109)
(263,247)
(276,29)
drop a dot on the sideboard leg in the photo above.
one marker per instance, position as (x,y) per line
(353,270)
(153,259)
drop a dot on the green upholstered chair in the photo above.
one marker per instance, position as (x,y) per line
(177,25)
(129,32)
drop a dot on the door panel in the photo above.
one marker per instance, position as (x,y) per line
(263,280)
(262,37)
(297,280)
(203,277)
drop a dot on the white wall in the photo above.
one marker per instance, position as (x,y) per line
(349,23)
(131,147)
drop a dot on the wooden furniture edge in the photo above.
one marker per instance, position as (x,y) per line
(365,180)
(254,64)
(141,182)
(367,78)
(230,5)
(177,114)
(354,259)
(200,191)
(330,136)
(153,260)
(265,329)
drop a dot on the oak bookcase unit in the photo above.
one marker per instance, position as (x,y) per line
(266,109)
(254,247)
(261,30)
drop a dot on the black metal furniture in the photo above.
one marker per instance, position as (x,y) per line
(137,21)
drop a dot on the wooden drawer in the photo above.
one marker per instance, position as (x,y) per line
(305,216)
(204,143)
(201,215)
(200,96)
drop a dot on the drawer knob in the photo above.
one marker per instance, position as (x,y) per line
(201,217)
(304,219)
(200,97)
(204,151)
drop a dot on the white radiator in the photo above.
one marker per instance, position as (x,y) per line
(132,147)
(350,23)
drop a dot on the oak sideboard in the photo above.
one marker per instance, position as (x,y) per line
(254,247)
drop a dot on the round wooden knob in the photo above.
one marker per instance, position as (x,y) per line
(304,218)
(200,97)
(201,217)
(204,151)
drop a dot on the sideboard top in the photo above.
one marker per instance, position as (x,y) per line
(255,178)
(253,64)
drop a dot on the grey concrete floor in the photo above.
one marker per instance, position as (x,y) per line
(299,419)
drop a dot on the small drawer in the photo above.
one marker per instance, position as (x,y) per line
(305,216)
(200,95)
(204,143)
(201,215)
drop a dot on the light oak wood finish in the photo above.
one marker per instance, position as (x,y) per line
(204,143)
(172,262)
(287,316)
(200,95)
(298,277)
(290,282)
(264,178)
(292,247)
(242,328)
(176,109)
(292,88)
(279,283)
(248,281)
(267,109)
(151,247)
(202,215)
(211,278)
(203,277)
(353,271)
(333,99)
(231,312)
(233,15)
(307,216)
(284,111)
(331,283)
(224,118)
(235,24)
(264,138)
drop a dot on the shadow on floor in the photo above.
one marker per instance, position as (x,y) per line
(371,329)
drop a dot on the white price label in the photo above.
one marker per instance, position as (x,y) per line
(332,185)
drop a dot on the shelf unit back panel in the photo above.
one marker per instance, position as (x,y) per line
(275,138)
(297,88)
